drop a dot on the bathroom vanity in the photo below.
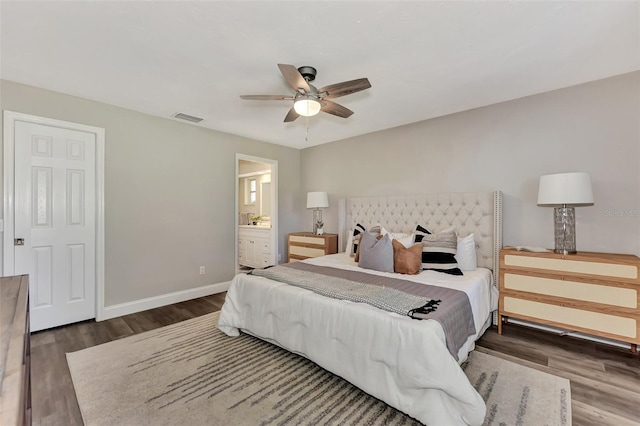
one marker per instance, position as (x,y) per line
(255,246)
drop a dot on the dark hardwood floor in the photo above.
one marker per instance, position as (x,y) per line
(53,397)
(605,381)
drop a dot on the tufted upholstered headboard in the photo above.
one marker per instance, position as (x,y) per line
(477,212)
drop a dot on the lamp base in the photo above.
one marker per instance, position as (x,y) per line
(317,217)
(565,230)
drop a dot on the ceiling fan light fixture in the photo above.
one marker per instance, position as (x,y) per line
(309,101)
(307,106)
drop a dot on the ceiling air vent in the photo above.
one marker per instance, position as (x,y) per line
(183,116)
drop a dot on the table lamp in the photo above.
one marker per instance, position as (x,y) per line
(565,190)
(317,201)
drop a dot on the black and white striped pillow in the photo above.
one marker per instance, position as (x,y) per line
(420,233)
(439,251)
(355,239)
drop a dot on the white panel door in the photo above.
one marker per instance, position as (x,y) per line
(55,206)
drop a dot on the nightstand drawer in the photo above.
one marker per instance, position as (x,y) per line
(303,239)
(585,320)
(597,293)
(306,251)
(601,269)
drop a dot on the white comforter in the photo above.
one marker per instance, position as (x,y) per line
(399,360)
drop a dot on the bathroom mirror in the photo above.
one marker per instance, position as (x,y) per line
(265,198)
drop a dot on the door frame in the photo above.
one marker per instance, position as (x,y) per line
(10,118)
(274,203)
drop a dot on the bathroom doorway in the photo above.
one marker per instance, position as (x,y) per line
(256,208)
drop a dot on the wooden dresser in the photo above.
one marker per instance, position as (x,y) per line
(15,352)
(593,293)
(303,245)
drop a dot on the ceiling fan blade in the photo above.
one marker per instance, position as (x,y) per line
(344,88)
(291,115)
(335,109)
(294,78)
(267,97)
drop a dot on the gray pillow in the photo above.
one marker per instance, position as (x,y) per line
(376,254)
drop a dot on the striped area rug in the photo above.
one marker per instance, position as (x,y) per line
(191,373)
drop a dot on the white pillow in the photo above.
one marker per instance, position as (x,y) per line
(466,254)
(402,237)
(406,240)
(349,248)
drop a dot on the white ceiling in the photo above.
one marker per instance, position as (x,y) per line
(423,59)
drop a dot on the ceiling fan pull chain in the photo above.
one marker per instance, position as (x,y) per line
(306,134)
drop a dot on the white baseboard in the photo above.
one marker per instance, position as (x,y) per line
(155,302)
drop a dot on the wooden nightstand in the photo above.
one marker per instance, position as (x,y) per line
(594,293)
(303,245)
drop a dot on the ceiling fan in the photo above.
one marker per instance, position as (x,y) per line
(308,100)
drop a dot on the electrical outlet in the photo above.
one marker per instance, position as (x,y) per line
(202,270)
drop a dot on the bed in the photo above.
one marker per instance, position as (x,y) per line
(400,360)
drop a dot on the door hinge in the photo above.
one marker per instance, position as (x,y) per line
(18,242)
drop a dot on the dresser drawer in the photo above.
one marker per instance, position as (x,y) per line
(597,293)
(306,251)
(614,326)
(304,239)
(599,268)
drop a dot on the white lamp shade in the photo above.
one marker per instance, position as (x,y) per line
(565,188)
(317,200)
(307,106)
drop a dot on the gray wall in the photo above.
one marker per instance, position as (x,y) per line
(592,127)
(169,193)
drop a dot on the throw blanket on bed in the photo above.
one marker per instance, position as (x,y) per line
(451,308)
